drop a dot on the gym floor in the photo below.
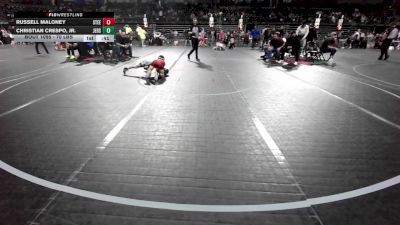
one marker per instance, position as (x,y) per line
(228,139)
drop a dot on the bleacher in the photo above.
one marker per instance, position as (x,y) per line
(323,30)
(181,28)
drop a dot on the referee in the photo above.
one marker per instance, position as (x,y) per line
(37,47)
(194,34)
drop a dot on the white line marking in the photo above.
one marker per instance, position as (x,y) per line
(273,147)
(16,75)
(383,85)
(395,125)
(44,72)
(25,81)
(222,93)
(100,148)
(48,95)
(202,208)
(281,159)
(378,88)
(41,98)
(361,74)
(121,124)
(361,82)
(96,75)
(205,208)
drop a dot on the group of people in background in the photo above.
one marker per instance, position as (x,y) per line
(305,40)
(121,49)
(391,34)
(274,40)
(278,43)
(254,11)
(5,36)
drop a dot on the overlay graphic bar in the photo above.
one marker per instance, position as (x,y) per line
(59,30)
(20,22)
(63,14)
(63,38)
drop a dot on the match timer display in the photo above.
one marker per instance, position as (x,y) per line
(64,27)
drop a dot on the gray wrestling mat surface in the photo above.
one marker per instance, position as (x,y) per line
(226,131)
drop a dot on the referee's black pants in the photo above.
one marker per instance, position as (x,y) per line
(385,47)
(195,47)
(37,47)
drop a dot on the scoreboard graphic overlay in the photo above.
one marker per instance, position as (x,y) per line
(64,27)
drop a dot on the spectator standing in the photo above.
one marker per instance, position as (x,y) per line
(221,37)
(302,32)
(370,40)
(212,37)
(312,35)
(1,38)
(6,36)
(142,34)
(175,36)
(246,38)
(232,41)
(202,38)
(266,36)
(355,38)
(255,34)
(128,29)
(390,35)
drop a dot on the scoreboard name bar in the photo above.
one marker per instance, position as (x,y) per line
(65,22)
(63,14)
(65,30)
(63,38)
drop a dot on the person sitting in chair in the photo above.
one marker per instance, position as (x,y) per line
(274,48)
(329,46)
(292,43)
(355,39)
(71,46)
(122,45)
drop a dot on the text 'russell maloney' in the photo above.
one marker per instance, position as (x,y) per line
(44,22)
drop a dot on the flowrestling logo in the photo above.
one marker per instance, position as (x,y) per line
(49,14)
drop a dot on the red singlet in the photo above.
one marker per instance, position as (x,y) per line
(158,64)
